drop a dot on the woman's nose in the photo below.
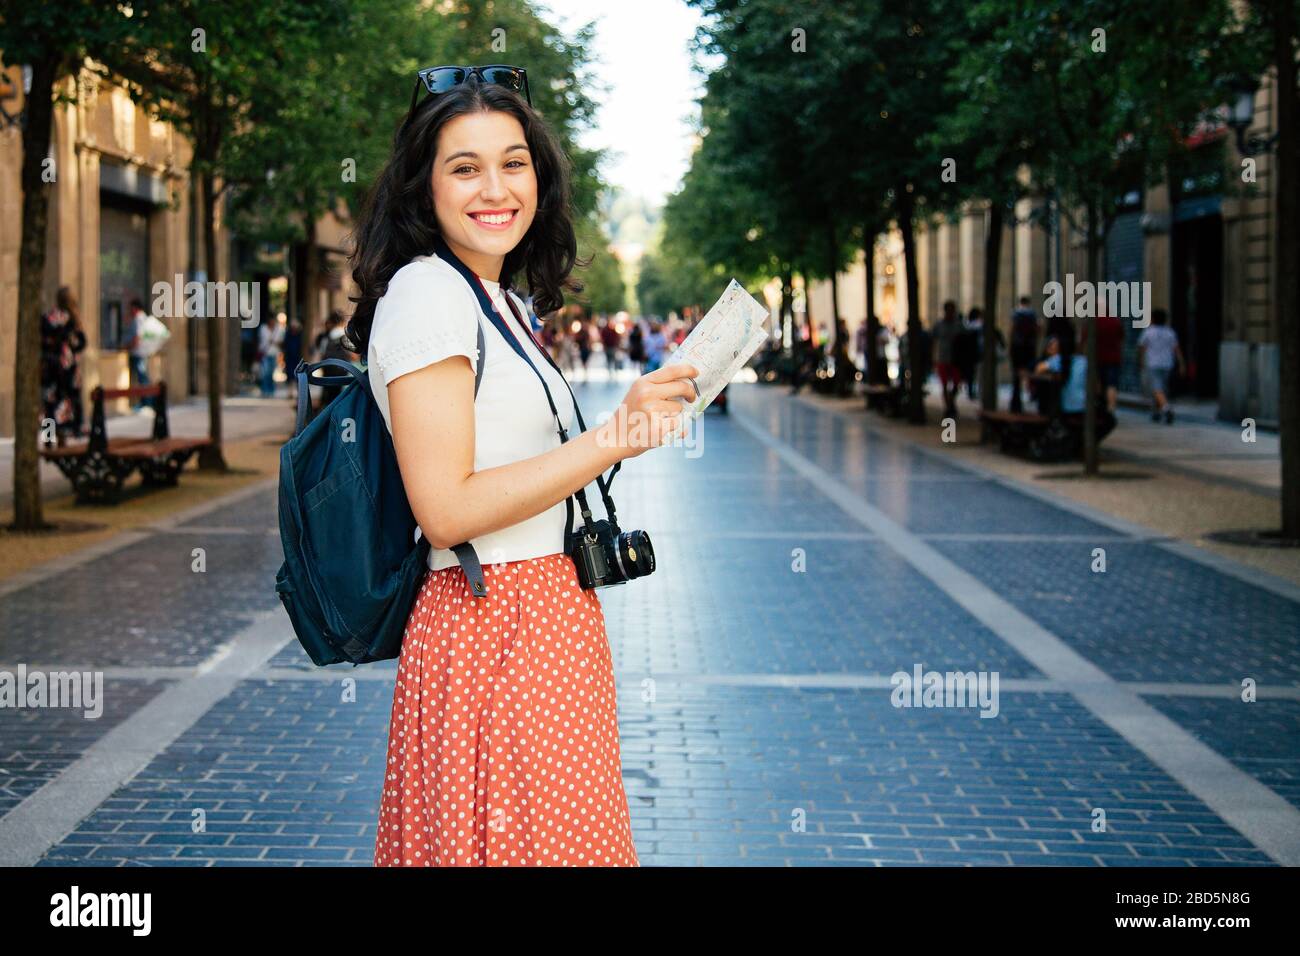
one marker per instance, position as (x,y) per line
(493,185)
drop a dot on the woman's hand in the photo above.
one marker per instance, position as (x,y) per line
(650,415)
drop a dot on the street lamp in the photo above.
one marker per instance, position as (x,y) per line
(1242,115)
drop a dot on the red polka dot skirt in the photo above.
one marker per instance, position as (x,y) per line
(503,745)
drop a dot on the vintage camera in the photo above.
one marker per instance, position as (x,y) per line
(609,556)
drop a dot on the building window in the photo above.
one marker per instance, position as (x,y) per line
(123,266)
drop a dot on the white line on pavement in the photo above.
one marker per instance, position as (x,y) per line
(46,816)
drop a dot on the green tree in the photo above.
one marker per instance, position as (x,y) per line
(604,291)
(203,65)
(54,41)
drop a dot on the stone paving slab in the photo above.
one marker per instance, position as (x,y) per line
(144,604)
(725,606)
(37,744)
(283,772)
(1258,737)
(719,773)
(1152,615)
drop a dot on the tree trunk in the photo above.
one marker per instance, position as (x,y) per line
(1288,255)
(38,119)
(808,312)
(787,304)
(833,270)
(1090,330)
(309,297)
(992,267)
(875,366)
(917,360)
(211,457)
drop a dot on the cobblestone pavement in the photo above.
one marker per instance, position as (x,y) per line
(803,561)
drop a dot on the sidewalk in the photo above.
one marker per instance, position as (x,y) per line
(1184,481)
(1196,444)
(242,417)
(805,559)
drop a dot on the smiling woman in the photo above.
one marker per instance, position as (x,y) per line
(503,745)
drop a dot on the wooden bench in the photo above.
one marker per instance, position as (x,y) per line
(886,399)
(1056,437)
(98,467)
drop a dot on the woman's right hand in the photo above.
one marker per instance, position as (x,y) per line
(650,415)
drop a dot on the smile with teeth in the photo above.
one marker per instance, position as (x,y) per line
(493,218)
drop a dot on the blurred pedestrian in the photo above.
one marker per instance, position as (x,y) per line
(1024,350)
(583,337)
(655,346)
(611,340)
(1159,353)
(269,345)
(136,350)
(292,351)
(636,345)
(966,350)
(62,342)
(945,335)
(1110,356)
(332,343)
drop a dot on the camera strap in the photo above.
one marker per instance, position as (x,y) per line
(494,316)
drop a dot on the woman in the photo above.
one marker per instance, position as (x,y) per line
(503,744)
(62,340)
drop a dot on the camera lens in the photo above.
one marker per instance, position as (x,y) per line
(636,554)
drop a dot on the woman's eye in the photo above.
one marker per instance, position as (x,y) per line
(462,169)
(520,162)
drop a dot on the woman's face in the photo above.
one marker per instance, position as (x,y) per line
(484,188)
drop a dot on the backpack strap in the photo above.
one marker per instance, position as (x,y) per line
(464,551)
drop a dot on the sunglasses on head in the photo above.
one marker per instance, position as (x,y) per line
(440,79)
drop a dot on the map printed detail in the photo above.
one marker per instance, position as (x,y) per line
(721,343)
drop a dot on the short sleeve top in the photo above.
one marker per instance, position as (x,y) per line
(430,313)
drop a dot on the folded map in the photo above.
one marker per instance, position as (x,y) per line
(721,343)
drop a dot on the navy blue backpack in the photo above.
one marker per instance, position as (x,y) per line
(352,565)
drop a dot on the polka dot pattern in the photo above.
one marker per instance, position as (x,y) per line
(503,745)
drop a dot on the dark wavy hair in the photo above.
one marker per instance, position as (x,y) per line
(398,223)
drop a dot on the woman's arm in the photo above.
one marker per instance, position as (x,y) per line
(432,415)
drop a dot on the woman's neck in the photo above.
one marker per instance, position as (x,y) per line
(481,264)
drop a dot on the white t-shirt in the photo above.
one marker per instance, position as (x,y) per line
(428,314)
(1160,342)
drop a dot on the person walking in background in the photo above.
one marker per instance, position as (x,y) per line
(966,350)
(62,341)
(1159,353)
(137,351)
(292,352)
(636,345)
(610,340)
(270,342)
(1110,355)
(946,332)
(1061,328)
(332,344)
(1024,350)
(583,336)
(655,345)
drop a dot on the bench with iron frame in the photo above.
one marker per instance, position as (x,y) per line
(98,467)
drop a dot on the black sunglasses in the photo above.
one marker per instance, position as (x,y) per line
(440,79)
